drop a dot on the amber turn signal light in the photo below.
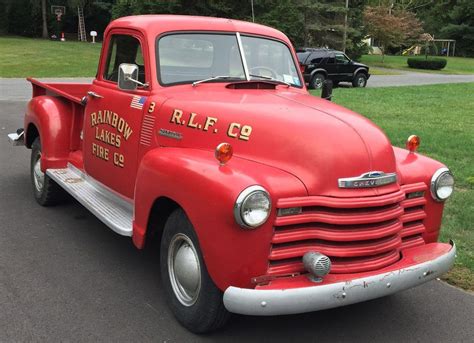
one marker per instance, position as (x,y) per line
(413,142)
(224,153)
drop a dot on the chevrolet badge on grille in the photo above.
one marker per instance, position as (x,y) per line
(368,180)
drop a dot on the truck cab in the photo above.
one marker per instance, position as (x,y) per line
(266,200)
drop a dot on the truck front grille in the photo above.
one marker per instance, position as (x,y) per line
(358,234)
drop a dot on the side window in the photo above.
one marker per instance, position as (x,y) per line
(341,59)
(331,59)
(316,58)
(123,49)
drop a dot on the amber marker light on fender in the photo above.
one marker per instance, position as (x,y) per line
(224,153)
(413,142)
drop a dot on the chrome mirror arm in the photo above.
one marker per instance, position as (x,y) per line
(129,78)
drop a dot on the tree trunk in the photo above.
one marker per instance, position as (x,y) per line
(45,21)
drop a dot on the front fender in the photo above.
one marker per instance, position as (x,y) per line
(52,118)
(413,168)
(207,192)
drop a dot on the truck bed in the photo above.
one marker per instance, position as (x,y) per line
(70,91)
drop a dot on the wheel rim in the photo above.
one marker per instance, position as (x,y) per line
(361,82)
(318,82)
(184,269)
(38,175)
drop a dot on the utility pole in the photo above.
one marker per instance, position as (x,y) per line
(344,36)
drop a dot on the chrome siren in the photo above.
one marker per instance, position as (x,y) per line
(317,264)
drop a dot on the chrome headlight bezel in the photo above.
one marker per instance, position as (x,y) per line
(239,206)
(435,182)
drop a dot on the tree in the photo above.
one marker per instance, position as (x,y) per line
(391,27)
(44,17)
(356,33)
(451,19)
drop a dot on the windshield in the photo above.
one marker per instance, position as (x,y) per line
(191,57)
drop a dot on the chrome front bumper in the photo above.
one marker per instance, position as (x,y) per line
(263,302)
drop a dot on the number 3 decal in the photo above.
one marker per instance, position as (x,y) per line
(151,108)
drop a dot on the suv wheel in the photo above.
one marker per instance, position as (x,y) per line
(360,80)
(317,81)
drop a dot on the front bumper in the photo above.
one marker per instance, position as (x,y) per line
(420,264)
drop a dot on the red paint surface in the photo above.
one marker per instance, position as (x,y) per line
(300,145)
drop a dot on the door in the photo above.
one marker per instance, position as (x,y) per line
(331,67)
(113,118)
(344,67)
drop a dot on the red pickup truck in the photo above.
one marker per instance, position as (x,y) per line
(265,200)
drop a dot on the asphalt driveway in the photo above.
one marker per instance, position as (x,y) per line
(408,78)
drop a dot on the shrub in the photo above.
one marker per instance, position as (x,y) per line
(430,63)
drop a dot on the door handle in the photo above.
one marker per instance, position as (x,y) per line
(94,95)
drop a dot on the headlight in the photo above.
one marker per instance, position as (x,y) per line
(442,184)
(252,207)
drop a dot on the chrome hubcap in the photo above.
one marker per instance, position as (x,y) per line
(184,269)
(319,82)
(38,175)
(361,82)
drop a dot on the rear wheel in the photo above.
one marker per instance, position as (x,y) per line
(45,190)
(360,80)
(317,81)
(191,294)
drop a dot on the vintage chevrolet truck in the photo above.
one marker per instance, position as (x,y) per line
(265,200)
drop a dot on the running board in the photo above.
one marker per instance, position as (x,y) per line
(112,210)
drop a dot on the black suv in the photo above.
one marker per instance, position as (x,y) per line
(321,64)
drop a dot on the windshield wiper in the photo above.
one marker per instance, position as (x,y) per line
(222,77)
(271,79)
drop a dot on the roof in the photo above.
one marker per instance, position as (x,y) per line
(156,24)
(316,49)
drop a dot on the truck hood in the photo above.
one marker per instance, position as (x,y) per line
(315,140)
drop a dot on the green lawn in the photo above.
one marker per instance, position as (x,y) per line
(442,115)
(378,71)
(22,57)
(456,65)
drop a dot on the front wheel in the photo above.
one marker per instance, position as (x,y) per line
(46,191)
(360,80)
(190,293)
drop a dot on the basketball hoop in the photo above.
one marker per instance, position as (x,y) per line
(58,11)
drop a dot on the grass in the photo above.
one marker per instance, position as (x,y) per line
(442,115)
(378,71)
(456,65)
(23,57)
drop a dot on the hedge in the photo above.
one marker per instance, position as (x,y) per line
(430,63)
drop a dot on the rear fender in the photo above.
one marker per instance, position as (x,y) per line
(207,192)
(319,71)
(52,118)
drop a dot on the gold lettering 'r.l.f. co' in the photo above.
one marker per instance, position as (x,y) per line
(210,124)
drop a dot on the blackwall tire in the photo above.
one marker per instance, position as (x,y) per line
(46,191)
(317,81)
(360,80)
(190,293)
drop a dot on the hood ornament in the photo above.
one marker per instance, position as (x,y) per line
(368,180)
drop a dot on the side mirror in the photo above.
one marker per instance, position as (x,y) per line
(127,76)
